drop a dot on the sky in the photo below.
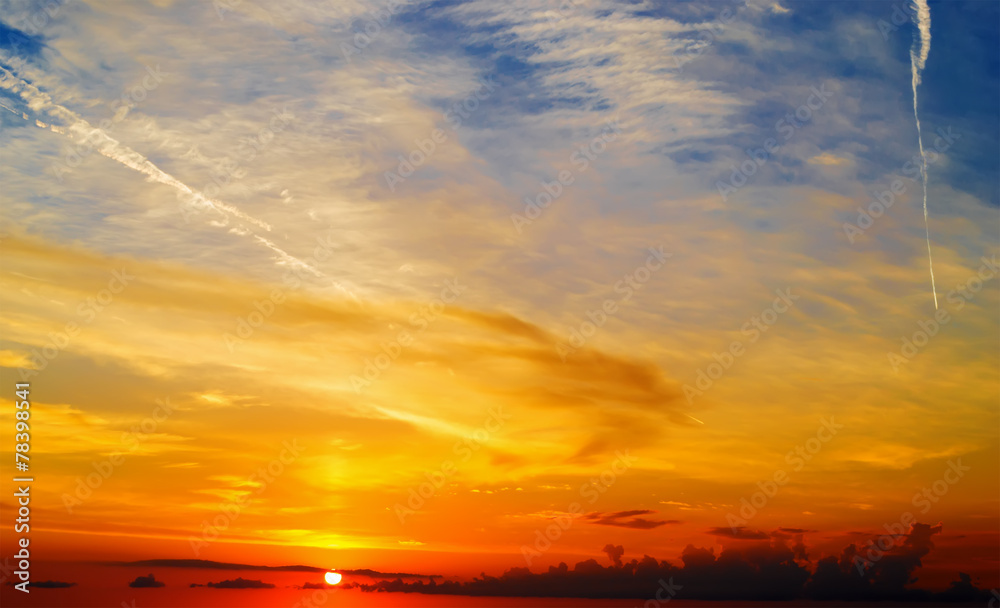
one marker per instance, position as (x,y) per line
(403,285)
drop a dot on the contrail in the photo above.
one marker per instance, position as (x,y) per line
(11,110)
(285,258)
(109,146)
(918,58)
(78,128)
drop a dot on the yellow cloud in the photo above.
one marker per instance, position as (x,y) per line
(829,160)
(12,359)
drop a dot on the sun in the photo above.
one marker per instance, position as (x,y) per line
(332,578)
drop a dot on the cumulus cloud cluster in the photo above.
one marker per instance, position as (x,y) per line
(148,581)
(751,571)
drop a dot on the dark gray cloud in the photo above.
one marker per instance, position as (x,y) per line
(241,583)
(47,584)
(204,564)
(146,581)
(739,533)
(628,519)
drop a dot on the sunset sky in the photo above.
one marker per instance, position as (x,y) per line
(451,276)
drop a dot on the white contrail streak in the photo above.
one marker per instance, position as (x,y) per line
(918,58)
(285,258)
(79,129)
(107,146)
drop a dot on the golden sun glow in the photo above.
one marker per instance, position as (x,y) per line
(345,307)
(332,578)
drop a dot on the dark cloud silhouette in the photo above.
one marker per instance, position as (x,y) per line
(795,531)
(614,554)
(210,565)
(740,533)
(766,569)
(879,570)
(628,519)
(146,581)
(241,583)
(47,584)
(377,574)
(799,548)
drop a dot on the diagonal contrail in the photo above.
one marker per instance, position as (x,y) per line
(79,128)
(918,58)
(109,146)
